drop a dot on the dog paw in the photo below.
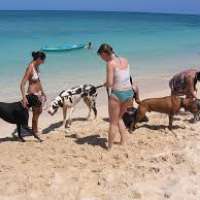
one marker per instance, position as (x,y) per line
(137,126)
(68,130)
(193,121)
(22,140)
(67,127)
(183,126)
(131,131)
(40,140)
(173,132)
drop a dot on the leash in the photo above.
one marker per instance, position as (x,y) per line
(71,94)
(99,86)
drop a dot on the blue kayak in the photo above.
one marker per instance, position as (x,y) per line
(64,48)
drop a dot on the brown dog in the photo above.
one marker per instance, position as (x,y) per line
(169,105)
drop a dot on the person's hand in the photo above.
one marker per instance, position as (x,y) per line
(44,97)
(25,102)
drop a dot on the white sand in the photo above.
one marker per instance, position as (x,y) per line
(154,165)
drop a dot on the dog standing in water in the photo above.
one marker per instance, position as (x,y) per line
(68,99)
(15,113)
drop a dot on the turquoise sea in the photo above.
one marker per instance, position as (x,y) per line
(155,44)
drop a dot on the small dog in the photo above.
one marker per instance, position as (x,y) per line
(15,113)
(194,108)
(130,115)
(169,105)
(68,99)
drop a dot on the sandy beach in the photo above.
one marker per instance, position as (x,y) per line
(75,165)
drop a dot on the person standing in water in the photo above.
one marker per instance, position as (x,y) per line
(89,45)
(184,83)
(32,77)
(120,91)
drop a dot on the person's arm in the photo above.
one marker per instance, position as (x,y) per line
(23,85)
(190,87)
(109,78)
(42,90)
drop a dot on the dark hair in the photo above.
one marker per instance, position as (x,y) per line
(198,76)
(105,48)
(38,54)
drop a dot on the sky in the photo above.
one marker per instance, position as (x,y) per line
(165,6)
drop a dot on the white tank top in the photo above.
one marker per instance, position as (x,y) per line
(122,79)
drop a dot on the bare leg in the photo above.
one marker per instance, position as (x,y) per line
(122,131)
(114,112)
(36,114)
(122,127)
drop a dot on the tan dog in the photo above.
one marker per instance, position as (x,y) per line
(169,105)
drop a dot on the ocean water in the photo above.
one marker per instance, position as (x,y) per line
(156,45)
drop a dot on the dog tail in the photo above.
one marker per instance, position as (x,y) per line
(138,101)
(99,86)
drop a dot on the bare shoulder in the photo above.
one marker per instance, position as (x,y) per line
(111,64)
(124,60)
(29,68)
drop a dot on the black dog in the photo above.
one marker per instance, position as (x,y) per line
(130,116)
(15,113)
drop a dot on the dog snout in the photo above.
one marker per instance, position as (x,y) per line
(51,111)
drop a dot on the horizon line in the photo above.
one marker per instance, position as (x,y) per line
(116,11)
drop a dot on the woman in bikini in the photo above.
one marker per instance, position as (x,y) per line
(120,91)
(32,77)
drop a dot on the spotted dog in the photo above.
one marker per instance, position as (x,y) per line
(68,99)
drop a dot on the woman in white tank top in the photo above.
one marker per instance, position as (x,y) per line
(120,91)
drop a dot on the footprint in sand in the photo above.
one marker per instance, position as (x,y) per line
(154,169)
(167,195)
